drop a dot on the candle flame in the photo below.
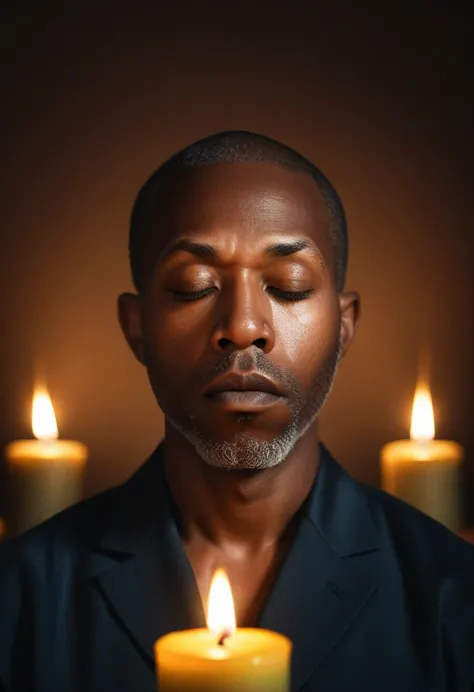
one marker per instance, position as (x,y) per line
(422,418)
(43,418)
(220,610)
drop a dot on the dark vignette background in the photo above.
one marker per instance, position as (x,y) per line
(96,95)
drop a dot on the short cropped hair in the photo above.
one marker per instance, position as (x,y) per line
(234,146)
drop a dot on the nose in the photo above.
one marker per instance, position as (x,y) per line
(244,319)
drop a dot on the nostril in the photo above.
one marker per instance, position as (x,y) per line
(224,343)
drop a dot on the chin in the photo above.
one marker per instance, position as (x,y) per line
(244,451)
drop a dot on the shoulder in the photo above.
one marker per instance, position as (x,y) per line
(438,566)
(39,566)
(67,534)
(126,511)
(419,539)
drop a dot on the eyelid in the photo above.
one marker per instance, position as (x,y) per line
(189,296)
(291,295)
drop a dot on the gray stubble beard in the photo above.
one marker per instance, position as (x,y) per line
(245,452)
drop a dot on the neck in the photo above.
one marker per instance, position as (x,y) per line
(238,510)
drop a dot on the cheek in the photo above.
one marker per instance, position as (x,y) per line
(307,332)
(172,342)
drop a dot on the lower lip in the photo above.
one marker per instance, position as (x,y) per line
(244,401)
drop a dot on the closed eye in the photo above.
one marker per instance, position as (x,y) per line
(192,295)
(291,296)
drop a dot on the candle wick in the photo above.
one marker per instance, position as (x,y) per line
(225,635)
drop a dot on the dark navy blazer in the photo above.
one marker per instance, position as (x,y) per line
(375,596)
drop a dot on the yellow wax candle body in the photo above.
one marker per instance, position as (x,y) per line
(250,660)
(45,477)
(427,475)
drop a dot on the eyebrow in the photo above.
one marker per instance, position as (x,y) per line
(287,249)
(276,250)
(198,249)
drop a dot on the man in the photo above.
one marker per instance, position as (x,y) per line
(238,251)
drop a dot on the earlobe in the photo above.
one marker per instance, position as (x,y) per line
(129,314)
(350,313)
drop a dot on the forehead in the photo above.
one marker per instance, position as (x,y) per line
(250,200)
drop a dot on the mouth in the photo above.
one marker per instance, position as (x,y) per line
(246,393)
(244,401)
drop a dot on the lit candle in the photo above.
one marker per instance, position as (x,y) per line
(45,474)
(423,471)
(223,658)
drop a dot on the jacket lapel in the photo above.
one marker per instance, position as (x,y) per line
(141,568)
(146,579)
(324,584)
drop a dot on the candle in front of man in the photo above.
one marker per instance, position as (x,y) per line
(223,658)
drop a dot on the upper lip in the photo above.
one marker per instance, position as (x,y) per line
(243,382)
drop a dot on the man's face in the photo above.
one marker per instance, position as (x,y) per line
(243,286)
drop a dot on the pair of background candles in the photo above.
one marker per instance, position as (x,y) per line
(46,475)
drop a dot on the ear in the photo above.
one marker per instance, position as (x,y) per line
(349,303)
(129,314)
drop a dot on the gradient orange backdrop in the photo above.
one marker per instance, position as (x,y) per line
(95,99)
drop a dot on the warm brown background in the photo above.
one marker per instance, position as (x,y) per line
(94,99)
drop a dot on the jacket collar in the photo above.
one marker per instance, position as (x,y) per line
(323,585)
